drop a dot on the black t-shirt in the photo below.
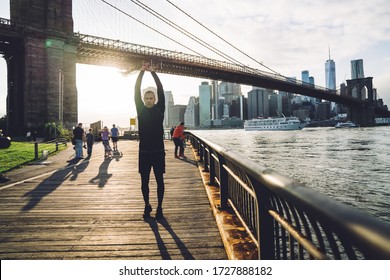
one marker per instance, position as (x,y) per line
(150,120)
(78,133)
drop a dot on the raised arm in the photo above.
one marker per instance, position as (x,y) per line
(137,92)
(160,92)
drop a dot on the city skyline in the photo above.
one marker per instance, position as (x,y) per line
(288,37)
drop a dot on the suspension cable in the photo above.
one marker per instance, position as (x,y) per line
(185,32)
(222,38)
(155,30)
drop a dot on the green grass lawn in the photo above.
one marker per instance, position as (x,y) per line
(20,153)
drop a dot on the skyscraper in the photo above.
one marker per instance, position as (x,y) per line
(305,76)
(258,103)
(205,92)
(330,74)
(229,91)
(168,104)
(214,100)
(357,71)
(191,116)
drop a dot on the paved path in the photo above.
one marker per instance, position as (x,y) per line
(92,209)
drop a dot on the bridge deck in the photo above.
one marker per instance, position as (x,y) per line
(93,210)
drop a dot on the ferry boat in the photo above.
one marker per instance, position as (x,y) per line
(281,123)
(347,124)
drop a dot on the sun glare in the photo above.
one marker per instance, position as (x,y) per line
(104,94)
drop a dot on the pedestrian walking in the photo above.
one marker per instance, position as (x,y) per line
(114,137)
(90,141)
(106,142)
(79,138)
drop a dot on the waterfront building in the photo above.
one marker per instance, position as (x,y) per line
(205,92)
(243,107)
(323,111)
(311,80)
(229,91)
(225,111)
(330,78)
(214,100)
(176,114)
(301,113)
(235,110)
(191,115)
(275,105)
(258,103)
(330,74)
(357,71)
(305,76)
(219,105)
(313,100)
(169,102)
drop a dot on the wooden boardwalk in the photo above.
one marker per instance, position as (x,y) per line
(93,210)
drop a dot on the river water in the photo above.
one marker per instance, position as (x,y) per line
(349,165)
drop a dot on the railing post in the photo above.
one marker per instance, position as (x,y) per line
(206,158)
(36,150)
(201,152)
(223,188)
(211,169)
(198,147)
(265,226)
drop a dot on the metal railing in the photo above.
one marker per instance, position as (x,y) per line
(287,219)
(50,147)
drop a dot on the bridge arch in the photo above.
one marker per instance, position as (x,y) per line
(362,89)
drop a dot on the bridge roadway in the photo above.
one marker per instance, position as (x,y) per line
(92,209)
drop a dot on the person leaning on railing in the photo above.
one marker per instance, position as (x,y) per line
(179,138)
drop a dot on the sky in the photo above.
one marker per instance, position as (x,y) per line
(285,36)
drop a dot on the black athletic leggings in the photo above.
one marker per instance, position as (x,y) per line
(160,187)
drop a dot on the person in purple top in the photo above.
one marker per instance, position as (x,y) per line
(106,142)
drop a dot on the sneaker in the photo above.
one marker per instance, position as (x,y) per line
(147,211)
(159,213)
(176,156)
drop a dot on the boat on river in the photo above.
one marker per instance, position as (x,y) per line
(347,124)
(280,123)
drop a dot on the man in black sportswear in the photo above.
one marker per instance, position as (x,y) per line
(151,138)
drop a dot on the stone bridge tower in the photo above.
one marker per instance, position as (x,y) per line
(364,115)
(42,68)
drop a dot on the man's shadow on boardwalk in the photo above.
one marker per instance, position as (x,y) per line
(164,251)
(49,185)
(103,176)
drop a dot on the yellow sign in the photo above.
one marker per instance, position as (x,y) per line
(132,121)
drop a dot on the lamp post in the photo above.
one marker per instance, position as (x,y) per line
(60,96)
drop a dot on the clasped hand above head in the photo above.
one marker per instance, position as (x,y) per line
(146,66)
